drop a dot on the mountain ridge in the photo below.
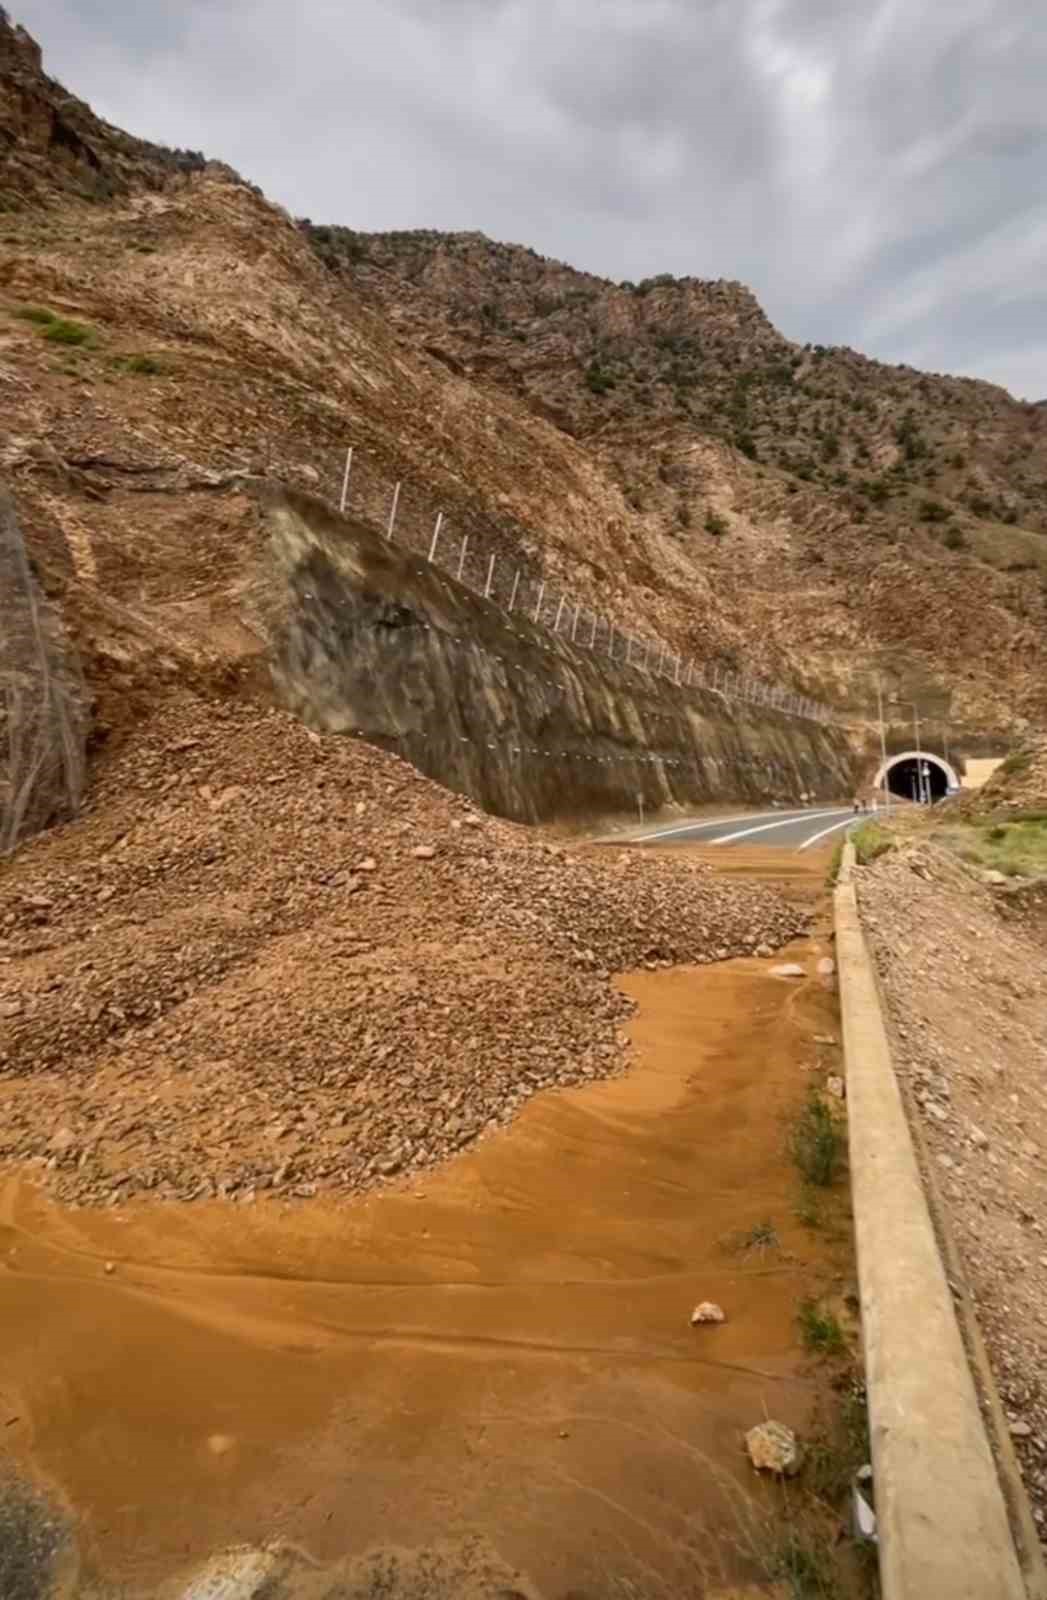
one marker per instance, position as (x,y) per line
(660,450)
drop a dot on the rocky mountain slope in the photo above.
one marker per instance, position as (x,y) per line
(660,450)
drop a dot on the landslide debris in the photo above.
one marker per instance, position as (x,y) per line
(270,961)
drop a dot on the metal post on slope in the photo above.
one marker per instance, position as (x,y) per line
(516,585)
(559,613)
(574,625)
(436,535)
(461,558)
(592,639)
(541,597)
(490,579)
(661,659)
(392,513)
(345,480)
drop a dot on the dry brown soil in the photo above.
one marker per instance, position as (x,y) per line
(486,1374)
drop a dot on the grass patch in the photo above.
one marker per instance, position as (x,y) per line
(144,366)
(804,1561)
(1017,761)
(1016,847)
(59,331)
(816,1143)
(870,840)
(38,314)
(835,863)
(819,1330)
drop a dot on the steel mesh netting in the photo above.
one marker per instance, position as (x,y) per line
(42,702)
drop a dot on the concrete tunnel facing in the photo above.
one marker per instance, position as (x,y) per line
(901,775)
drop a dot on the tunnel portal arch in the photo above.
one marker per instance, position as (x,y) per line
(900,775)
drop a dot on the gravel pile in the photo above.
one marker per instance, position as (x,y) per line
(269,961)
(967,994)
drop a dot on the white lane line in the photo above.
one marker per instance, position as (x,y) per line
(765,827)
(807,843)
(715,822)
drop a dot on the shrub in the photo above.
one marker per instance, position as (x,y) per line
(61,332)
(816,1143)
(38,314)
(147,366)
(597,381)
(820,1330)
(715,524)
(934,511)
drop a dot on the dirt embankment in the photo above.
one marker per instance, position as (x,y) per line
(271,960)
(967,991)
(1018,784)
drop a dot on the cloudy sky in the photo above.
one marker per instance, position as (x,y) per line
(876,170)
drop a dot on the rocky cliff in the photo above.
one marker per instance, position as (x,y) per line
(368,640)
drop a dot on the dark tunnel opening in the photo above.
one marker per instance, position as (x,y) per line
(903,779)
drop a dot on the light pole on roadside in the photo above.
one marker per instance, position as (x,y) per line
(922,783)
(883,743)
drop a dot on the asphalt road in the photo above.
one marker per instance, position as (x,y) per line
(804,829)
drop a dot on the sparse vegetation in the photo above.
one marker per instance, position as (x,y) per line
(59,331)
(870,841)
(716,524)
(1017,762)
(816,1143)
(1016,847)
(145,366)
(37,314)
(819,1329)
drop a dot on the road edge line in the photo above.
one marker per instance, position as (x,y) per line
(941,1516)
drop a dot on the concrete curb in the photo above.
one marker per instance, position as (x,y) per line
(943,1527)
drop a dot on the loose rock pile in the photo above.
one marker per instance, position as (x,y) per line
(266,961)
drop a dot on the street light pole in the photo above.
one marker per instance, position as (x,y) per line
(919,757)
(883,742)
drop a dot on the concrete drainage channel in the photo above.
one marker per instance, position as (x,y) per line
(945,1532)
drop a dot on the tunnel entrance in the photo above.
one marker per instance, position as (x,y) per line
(918,776)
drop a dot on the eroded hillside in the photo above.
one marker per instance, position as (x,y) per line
(661,450)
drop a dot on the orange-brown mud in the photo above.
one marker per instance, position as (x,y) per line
(502,1349)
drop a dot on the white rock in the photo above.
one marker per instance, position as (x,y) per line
(826,967)
(979,1139)
(774,1448)
(788,969)
(836,1087)
(423,852)
(708,1311)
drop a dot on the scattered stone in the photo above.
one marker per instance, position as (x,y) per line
(61,1140)
(996,879)
(836,1087)
(826,967)
(788,969)
(979,1139)
(368,864)
(110,1268)
(10,1008)
(764,951)
(423,852)
(1020,1430)
(774,1448)
(708,1311)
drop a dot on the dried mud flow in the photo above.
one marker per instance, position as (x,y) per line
(482,1381)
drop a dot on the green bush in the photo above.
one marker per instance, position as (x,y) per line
(716,525)
(61,332)
(38,314)
(934,511)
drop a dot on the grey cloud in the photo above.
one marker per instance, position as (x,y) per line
(872,168)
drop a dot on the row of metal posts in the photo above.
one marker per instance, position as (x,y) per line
(746,689)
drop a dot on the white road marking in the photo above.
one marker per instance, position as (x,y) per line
(765,827)
(716,822)
(807,843)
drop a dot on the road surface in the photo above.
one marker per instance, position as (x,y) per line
(803,829)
